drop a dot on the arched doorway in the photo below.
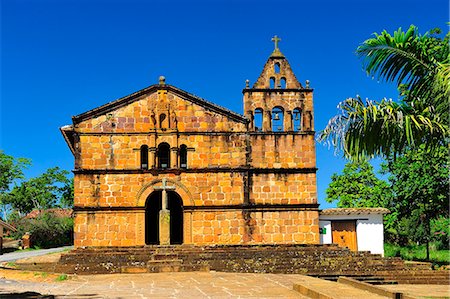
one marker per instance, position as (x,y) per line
(152,207)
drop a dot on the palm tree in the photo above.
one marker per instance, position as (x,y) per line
(420,66)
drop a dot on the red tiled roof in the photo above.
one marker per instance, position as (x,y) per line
(354,211)
(7,225)
(57,212)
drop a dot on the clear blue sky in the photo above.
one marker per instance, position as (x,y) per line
(61,58)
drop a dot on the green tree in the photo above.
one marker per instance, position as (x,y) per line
(357,187)
(420,66)
(47,229)
(67,194)
(45,191)
(11,169)
(420,184)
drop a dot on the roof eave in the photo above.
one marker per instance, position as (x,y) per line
(64,131)
(121,102)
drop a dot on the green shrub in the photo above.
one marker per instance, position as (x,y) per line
(418,253)
(62,277)
(47,230)
(440,230)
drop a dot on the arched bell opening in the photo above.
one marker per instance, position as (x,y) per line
(277,119)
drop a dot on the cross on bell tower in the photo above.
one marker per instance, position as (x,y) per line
(276,40)
(276,52)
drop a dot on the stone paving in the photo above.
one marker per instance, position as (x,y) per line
(193,285)
(418,290)
(164,285)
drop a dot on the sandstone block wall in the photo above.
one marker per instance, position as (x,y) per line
(240,186)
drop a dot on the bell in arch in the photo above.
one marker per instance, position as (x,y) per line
(277,117)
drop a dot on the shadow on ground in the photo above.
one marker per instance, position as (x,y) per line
(35,295)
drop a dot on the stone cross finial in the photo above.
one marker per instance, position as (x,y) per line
(276,40)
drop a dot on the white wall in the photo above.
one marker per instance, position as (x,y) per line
(325,238)
(369,233)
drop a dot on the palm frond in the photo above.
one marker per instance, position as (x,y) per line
(368,129)
(419,62)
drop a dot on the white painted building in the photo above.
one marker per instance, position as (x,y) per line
(359,229)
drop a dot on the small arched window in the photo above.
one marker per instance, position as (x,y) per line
(283,82)
(144,156)
(258,120)
(163,155)
(272,82)
(277,119)
(297,119)
(183,156)
(277,68)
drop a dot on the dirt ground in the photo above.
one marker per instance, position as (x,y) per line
(20,275)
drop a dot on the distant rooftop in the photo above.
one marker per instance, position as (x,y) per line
(354,211)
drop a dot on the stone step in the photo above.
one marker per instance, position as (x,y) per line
(164,256)
(303,259)
(164,262)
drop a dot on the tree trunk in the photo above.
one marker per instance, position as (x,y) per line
(428,232)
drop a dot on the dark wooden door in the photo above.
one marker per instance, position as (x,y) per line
(344,234)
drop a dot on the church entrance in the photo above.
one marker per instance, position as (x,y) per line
(152,208)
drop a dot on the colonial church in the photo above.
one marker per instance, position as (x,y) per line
(163,166)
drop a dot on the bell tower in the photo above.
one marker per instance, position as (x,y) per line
(278,102)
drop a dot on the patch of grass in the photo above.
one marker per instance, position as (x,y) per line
(11,264)
(62,277)
(418,253)
(31,248)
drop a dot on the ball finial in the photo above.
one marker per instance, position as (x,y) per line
(162,80)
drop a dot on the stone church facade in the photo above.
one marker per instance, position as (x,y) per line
(163,166)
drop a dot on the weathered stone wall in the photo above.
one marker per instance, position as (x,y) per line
(109,228)
(105,228)
(284,189)
(262,227)
(283,151)
(122,151)
(241,186)
(132,190)
(144,115)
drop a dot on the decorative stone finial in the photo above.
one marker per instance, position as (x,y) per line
(162,80)
(307,83)
(247,83)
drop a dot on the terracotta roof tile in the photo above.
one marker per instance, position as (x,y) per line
(356,211)
(57,212)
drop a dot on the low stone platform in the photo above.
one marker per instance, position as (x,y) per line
(314,260)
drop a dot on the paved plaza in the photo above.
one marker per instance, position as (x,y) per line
(182,285)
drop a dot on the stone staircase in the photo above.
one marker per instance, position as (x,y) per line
(417,276)
(314,260)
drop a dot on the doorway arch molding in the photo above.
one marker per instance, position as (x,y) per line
(147,189)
